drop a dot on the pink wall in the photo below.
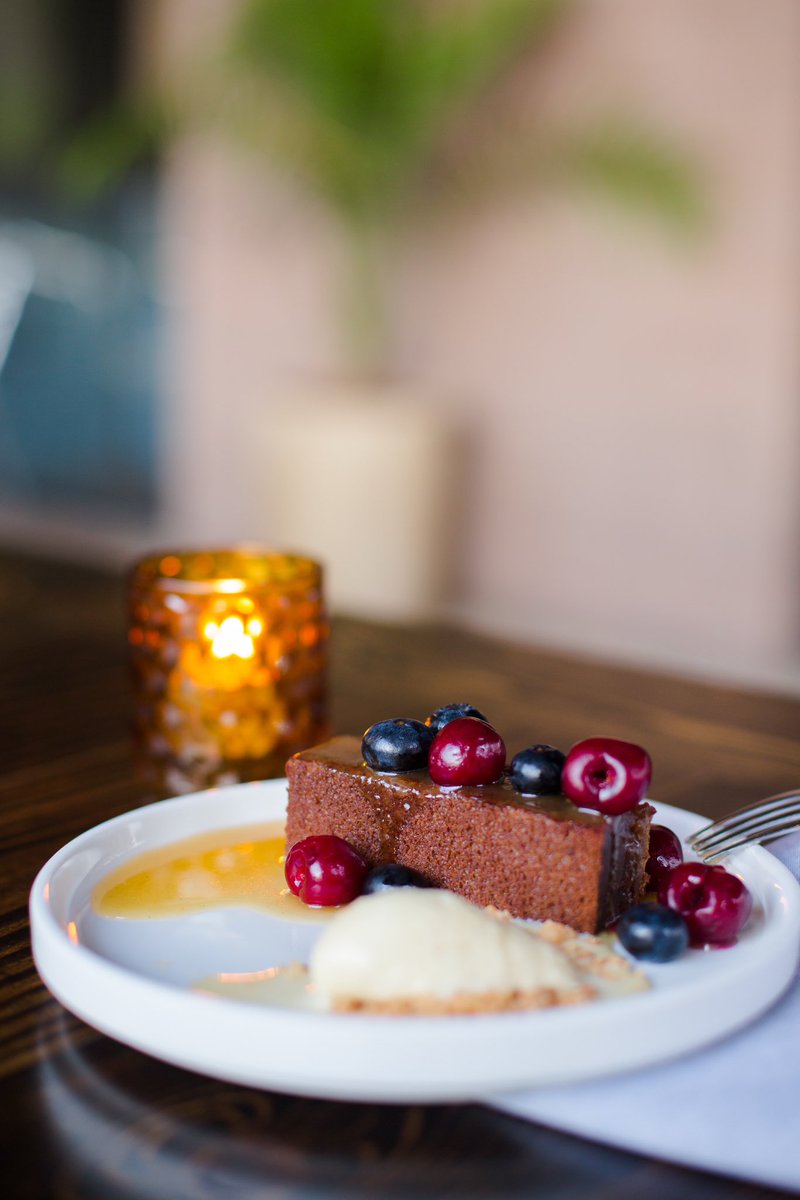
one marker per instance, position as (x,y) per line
(630,403)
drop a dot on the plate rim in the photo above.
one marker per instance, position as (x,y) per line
(58,959)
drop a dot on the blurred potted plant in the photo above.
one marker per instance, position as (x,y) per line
(363,102)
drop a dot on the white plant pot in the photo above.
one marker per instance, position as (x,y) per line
(361,480)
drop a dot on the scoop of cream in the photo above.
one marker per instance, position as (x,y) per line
(420,944)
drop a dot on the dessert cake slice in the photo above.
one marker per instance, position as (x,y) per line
(539,857)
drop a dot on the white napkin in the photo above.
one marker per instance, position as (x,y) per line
(733,1108)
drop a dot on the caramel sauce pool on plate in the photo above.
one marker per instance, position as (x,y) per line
(229,867)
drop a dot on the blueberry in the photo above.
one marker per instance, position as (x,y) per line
(537,771)
(653,932)
(381,879)
(451,712)
(397,745)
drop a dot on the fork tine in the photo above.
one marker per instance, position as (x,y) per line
(746,820)
(745,829)
(749,809)
(771,830)
(753,833)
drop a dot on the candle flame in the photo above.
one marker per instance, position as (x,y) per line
(229,639)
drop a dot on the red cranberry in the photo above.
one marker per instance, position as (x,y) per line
(714,903)
(665,853)
(606,774)
(324,870)
(466,751)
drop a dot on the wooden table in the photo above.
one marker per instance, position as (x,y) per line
(85,1117)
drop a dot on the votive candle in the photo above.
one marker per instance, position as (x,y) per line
(228,650)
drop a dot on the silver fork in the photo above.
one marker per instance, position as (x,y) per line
(760,822)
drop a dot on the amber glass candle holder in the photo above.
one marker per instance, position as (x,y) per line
(228,651)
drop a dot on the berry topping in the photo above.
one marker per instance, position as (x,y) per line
(606,774)
(324,870)
(653,932)
(451,712)
(467,751)
(714,903)
(537,771)
(665,853)
(397,745)
(381,879)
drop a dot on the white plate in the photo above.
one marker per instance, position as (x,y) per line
(130,979)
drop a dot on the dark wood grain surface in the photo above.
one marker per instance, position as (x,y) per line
(85,1117)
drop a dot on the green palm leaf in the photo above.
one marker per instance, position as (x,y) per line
(362,89)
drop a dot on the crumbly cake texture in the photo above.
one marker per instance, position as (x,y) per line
(466,1003)
(535,857)
(594,956)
